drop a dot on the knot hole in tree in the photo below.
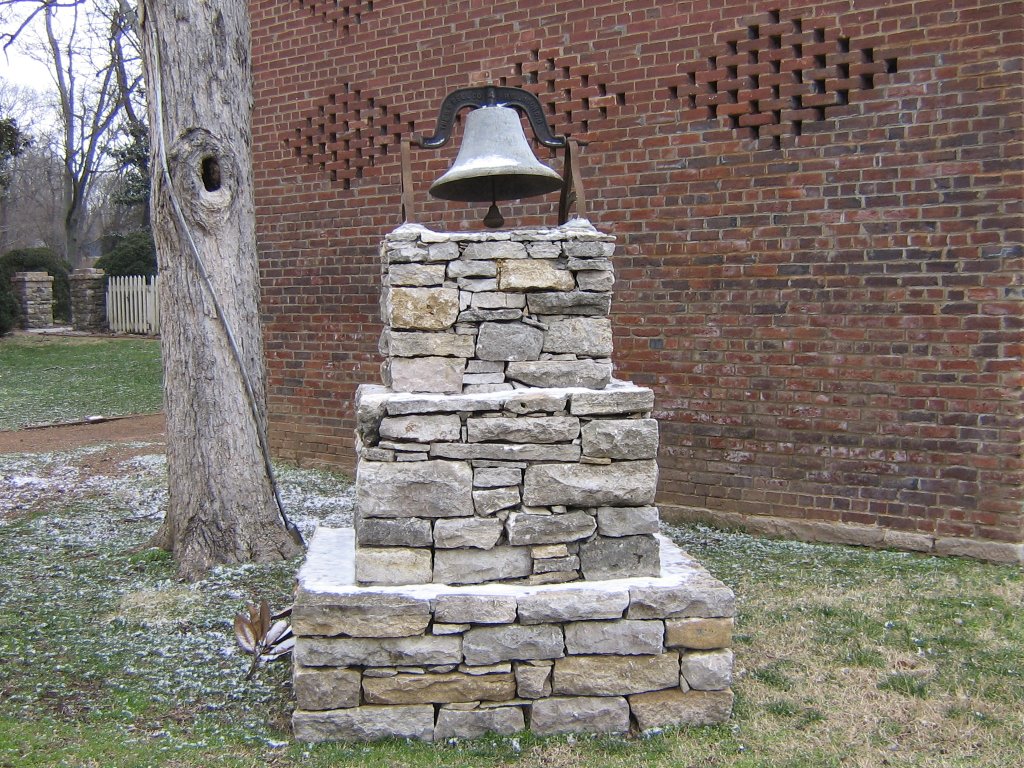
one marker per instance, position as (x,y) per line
(206,177)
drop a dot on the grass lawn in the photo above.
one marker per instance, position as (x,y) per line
(47,379)
(844,657)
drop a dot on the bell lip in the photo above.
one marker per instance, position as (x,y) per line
(476,189)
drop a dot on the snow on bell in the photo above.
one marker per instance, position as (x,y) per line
(494,163)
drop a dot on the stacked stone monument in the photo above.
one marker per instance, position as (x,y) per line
(505,570)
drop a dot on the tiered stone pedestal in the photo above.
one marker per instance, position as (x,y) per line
(502,456)
(434,661)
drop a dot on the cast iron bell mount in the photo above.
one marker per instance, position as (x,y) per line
(495,161)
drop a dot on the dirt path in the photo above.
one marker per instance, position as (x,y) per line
(42,440)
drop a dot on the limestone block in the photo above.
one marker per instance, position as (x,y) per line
(695,599)
(406,253)
(495,250)
(585,336)
(422,428)
(479,532)
(630,483)
(567,564)
(536,402)
(318,688)
(363,614)
(496,477)
(614,675)
(443,251)
(561,373)
(506,451)
(514,642)
(370,409)
(423,489)
(595,280)
(416,275)
(422,309)
(474,723)
(426,374)
(549,529)
(627,521)
(491,500)
(625,638)
(699,634)
(588,249)
(630,439)
(497,300)
(463,268)
(393,565)
(438,688)
(569,303)
(673,707)
(473,566)
(543,250)
(551,429)
(620,557)
(580,714)
(509,341)
(533,679)
(366,723)
(575,604)
(477,285)
(413,344)
(576,264)
(393,532)
(533,275)
(426,403)
(475,609)
(549,550)
(610,401)
(707,670)
(474,316)
(421,650)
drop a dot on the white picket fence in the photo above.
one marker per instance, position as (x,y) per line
(132,304)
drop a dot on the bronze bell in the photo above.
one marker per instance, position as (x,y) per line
(495,161)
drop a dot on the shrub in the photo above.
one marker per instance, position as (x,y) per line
(35,260)
(135,254)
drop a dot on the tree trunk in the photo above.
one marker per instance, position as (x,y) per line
(198,75)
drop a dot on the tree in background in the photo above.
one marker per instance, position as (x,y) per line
(134,254)
(12,143)
(33,260)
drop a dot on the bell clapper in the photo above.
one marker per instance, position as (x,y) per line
(493,219)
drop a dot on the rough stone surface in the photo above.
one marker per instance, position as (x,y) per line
(422,429)
(359,615)
(533,275)
(463,268)
(393,565)
(620,557)
(409,344)
(710,599)
(422,309)
(698,634)
(627,521)
(475,609)
(610,675)
(580,714)
(621,483)
(584,336)
(478,532)
(438,689)
(513,642)
(378,652)
(673,707)
(561,373)
(625,638)
(491,500)
(509,341)
(422,489)
(534,402)
(496,477)
(416,275)
(621,438)
(365,724)
(495,250)
(595,280)
(549,529)
(393,532)
(472,724)
(473,566)
(506,451)
(553,429)
(707,670)
(573,605)
(533,679)
(326,688)
(570,303)
(609,402)
(426,374)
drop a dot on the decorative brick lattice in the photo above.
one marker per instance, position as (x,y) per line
(777,74)
(340,14)
(569,91)
(345,133)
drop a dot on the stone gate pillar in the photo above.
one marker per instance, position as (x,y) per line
(89,300)
(34,291)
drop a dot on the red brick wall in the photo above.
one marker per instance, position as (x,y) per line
(819,219)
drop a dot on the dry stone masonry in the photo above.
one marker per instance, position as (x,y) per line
(505,570)
(34,291)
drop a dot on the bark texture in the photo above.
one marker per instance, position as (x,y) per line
(198,76)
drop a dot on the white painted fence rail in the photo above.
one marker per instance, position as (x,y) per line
(132,304)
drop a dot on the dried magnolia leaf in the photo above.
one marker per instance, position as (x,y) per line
(264,625)
(276,633)
(244,634)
